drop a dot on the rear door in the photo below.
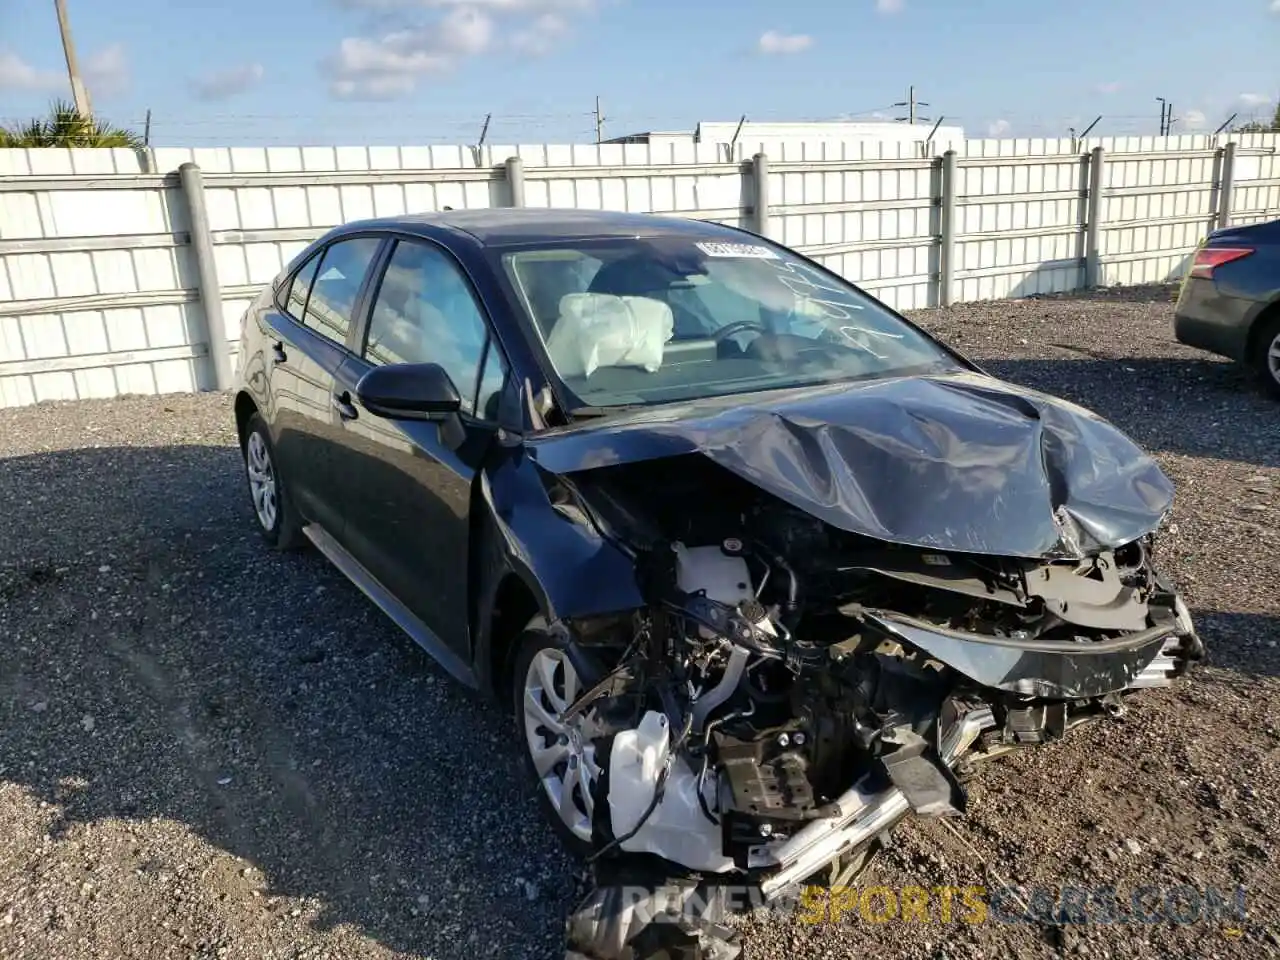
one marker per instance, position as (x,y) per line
(408,491)
(308,346)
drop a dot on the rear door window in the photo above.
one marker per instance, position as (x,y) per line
(337,283)
(296,302)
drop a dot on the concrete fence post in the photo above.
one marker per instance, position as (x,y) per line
(947,230)
(1226,184)
(760,175)
(1093,221)
(210,292)
(515,180)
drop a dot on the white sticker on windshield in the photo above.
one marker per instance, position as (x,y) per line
(753,251)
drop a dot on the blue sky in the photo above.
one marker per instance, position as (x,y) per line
(426,71)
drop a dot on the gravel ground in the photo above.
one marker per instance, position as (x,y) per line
(210,750)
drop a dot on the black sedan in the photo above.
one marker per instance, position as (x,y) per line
(753,560)
(1230,299)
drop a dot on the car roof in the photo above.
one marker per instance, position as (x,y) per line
(508,226)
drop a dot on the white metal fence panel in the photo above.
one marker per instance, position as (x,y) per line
(1020,225)
(1256,192)
(862,219)
(1156,207)
(100,292)
(96,286)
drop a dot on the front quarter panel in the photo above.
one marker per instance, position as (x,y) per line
(570,567)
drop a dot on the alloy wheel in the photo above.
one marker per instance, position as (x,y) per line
(262,480)
(563,753)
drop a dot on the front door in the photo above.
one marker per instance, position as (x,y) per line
(408,490)
(307,349)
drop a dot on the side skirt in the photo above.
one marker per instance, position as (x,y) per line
(418,631)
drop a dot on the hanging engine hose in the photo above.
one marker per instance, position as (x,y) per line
(706,754)
(659,789)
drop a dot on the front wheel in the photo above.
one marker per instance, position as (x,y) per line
(559,757)
(1266,357)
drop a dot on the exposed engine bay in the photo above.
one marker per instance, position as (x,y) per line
(792,690)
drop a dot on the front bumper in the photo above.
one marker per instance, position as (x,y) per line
(863,816)
(613,922)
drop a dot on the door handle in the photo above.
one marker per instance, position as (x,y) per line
(278,356)
(346,409)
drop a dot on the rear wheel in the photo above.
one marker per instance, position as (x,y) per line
(1266,356)
(277,521)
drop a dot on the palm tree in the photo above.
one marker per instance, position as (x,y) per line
(65,127)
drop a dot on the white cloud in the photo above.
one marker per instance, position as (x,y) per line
(465,32)
(1192,119)
(392,63)
(221,84)
(491,6)
(542,35)
(771,41)
(1275,6)
(106,74)
(998,128)
(17,74)
(1254,99)
(1111,86)
(889,6)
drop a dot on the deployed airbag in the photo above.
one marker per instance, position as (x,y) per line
(601,330)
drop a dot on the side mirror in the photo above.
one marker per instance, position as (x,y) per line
(409,391)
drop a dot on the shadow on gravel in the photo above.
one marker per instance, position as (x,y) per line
(158,661)
(1195,407)
(1243,643)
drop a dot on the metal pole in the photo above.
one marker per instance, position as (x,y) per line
(1226,184)
(79,93)
(760,172)
(947,230)
(1093,223)
(515,180)
(207,269)
(733,144)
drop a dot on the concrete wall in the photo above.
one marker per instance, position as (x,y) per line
(100,292)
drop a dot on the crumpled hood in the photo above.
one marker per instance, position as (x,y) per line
(955,462)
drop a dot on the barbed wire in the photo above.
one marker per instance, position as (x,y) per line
(434,126)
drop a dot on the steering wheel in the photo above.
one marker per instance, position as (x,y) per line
(738,326)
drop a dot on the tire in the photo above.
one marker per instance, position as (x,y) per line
(1266,356)
(540,657)
(273,511)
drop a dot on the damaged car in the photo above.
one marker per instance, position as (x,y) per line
(758,566)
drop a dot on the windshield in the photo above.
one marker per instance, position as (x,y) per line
(647,321)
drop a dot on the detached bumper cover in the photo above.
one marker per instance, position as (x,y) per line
(1054,668)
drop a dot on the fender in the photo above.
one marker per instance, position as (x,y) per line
(569,567)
